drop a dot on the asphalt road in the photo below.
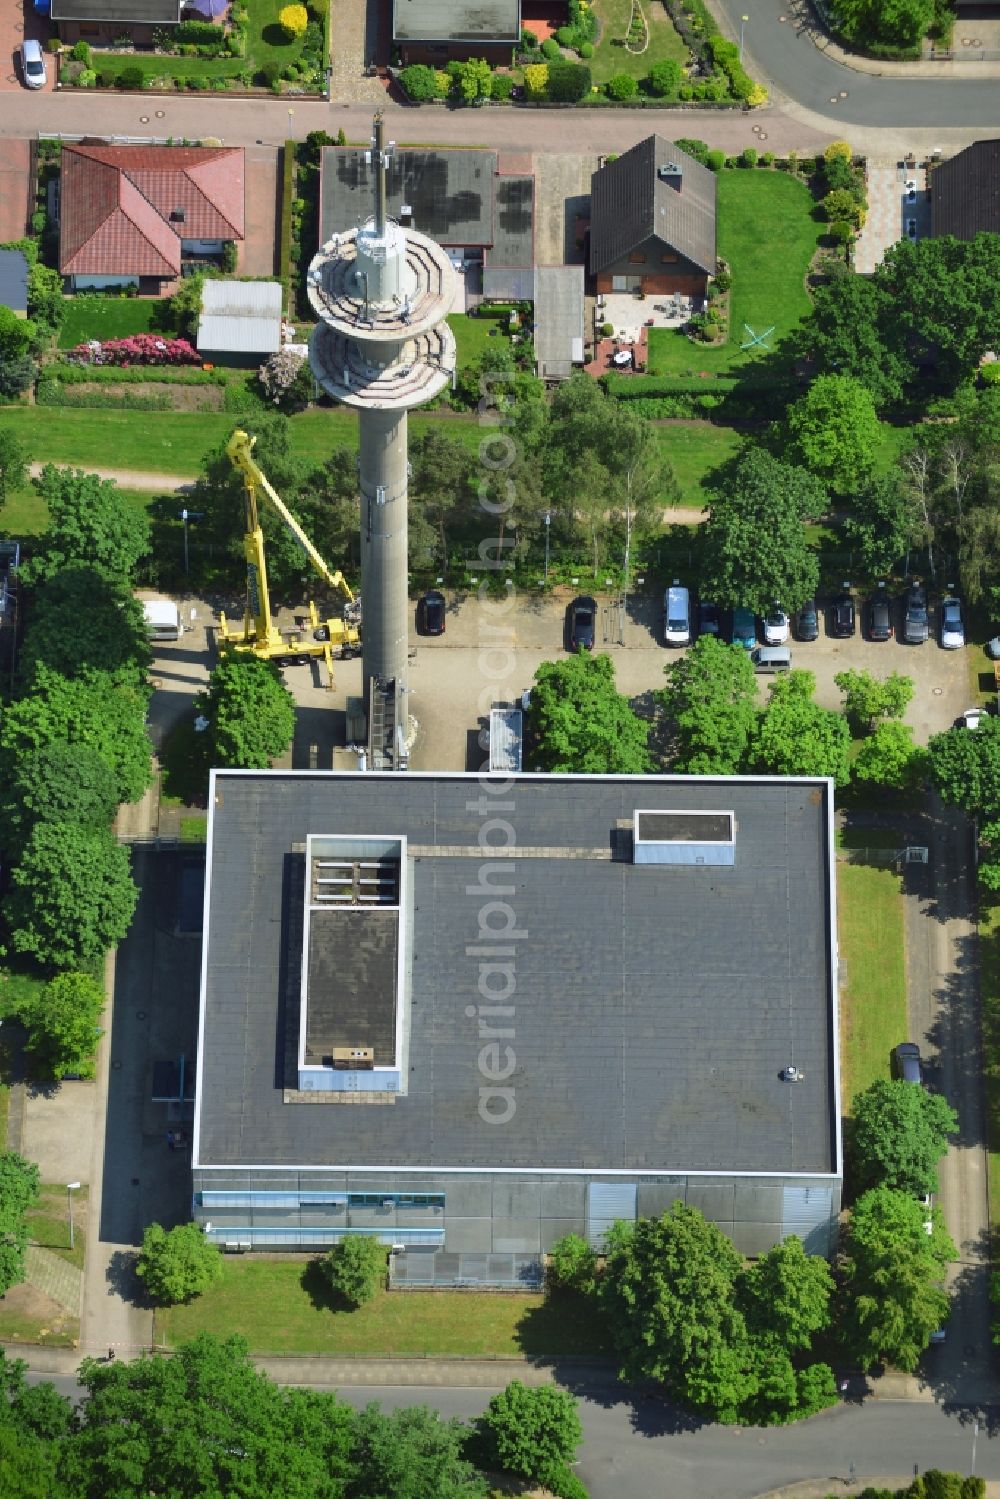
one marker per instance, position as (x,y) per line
(636,1450)
(783,54)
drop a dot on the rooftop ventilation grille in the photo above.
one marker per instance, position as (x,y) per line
(178,215)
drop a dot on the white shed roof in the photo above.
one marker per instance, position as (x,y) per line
(240,317)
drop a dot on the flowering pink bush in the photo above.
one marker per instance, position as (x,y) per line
(140,348)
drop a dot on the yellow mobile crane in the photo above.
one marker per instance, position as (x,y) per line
(260,634)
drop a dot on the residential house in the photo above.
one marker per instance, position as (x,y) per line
(438,31)
(965,192)
(140,215)
(105,21)
(652,222)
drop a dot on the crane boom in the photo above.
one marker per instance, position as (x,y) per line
(239,450)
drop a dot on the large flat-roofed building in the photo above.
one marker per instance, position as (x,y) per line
(473,1015)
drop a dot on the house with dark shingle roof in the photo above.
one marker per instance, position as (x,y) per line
(135,214)
(438,31)
(652,222)
(965,192)
(104,21)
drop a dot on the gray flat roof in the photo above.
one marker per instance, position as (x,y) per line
(456,20)
(558,319)
(654,1006)
(449,192)
(352,983)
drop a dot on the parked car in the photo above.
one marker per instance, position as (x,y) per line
(708,618)
(915,620)
(775,626)
(582,623)
(911,191)
(431,613)
(842,617)
(911,228)
(952,623)
(677,615)
(880,615)
(33,65)
(807,621)
(744,630)
(971,718)
(907,1061)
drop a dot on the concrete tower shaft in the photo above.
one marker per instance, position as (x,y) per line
(382,293)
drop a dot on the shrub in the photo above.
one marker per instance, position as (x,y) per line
(838,151)
(566,36)
(607,330)
(197,31)
(130,77)
(841,231)
(355,1268)
(106,77)
(622,86)
(685,93)
(841,204)
(550,48)
(536,78)
(748,157)
(586,50)
(716,160)
(569,82)
(572,1265)
(81,53)
(723,281)
(989,374)
(503,86)
(664,78)
(419,81)
(529,41)
(88,79)
(270,72)
(293,20)
(138,348)
(767,159)
(53,44)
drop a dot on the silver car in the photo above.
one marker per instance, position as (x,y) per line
(952,624)
(33,65)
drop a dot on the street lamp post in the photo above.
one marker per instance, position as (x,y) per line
(291,117)
(743,22)
(548,522)
(71,1187)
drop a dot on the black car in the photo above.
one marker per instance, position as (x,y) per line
(807,621)
(842,617)
(430,613)
(582,621)
(916,625)
(907,1065)
(708,618)
(880,616)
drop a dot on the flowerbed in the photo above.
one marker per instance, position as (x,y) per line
(141,348)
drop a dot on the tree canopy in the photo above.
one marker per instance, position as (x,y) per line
(835,432)
(355,1268)
(13,462)
(18,1190)
(711,698)
(794,736)
(59,783)
(80,621)
(250,711)
(888,757)
(533,1432)
(898,1134)
(72,896)
(868,699)
(90,524)
(755,549)
(582,724)
(178,1264)
(62,1022)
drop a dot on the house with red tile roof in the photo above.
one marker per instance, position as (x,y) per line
(137,215)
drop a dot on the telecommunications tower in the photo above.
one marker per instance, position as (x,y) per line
(382,293)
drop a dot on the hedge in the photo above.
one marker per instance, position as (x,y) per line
(285,232)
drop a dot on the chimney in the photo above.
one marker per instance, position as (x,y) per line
(670,173)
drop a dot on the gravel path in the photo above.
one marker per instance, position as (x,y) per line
(130,478)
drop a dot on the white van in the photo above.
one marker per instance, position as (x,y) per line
(163,619)
(676,615)
(771,658)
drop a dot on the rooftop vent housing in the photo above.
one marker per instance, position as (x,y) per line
(178,215)
(684,838)
(671,173)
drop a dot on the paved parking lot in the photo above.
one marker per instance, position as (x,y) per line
(491,651)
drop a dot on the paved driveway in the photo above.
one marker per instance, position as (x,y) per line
(17,21)
(14,168)
(258,253)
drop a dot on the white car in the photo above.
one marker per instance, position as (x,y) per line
(33,65)
(952,625)
(911,191)
(775,627)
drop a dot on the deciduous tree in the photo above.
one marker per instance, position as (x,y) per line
(411,1454)
(835,432)
(845,335)
(81,621)
(60,783)
(18,1190)
(178,1265)
(965,767)
(72,896)
(868,699)
(572,1265)
(582,724)
(882,524)
(711,697)
(62,1022)
(755,548)
(785,1295)
(945,300)
(888,757)
(250,711)
(13,462)
(794,736)
(533,1433)
(898,1134)
(355,1268)
(90,524)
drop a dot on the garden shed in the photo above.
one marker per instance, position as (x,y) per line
(240,321)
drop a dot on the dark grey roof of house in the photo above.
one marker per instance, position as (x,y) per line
(654,1006)
(513,222)
(145,12)
(450,192)
(629,203)
(456,20)
(965,192)
(13,280)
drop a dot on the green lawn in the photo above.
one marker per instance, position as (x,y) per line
(767,234)
(472,335)
(872,950)
(694,449)
(25,513)
(265,42)
(283,1306)
(174,442)
(48,1224)
(158,65)
(105,317)
(610,59)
